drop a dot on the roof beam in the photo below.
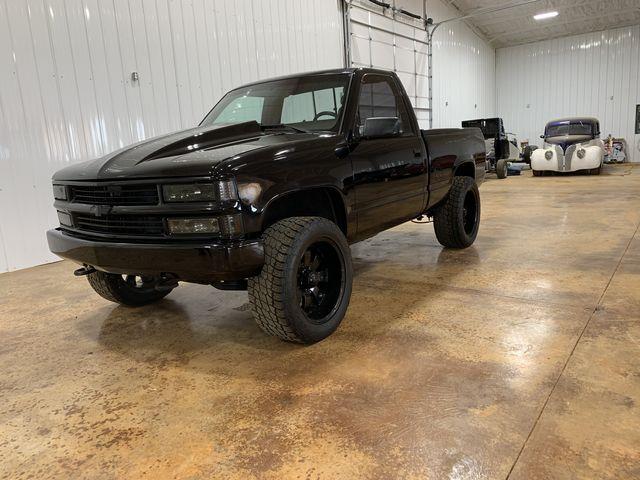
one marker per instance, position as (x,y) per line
(606,14)
(485,11)
(565,7)
(474,28)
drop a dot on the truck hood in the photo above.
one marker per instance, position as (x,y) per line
(188,153)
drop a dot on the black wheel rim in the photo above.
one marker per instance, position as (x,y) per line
(139,284)
(470,212)
(320,281)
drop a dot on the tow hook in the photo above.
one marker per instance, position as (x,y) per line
(166,283)
(86,270)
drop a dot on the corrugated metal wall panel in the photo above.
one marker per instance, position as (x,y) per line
(595,74)
(66,93)
(463,63)
(463,71)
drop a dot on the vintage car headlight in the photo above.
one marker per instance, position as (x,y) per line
(222,190)
(548,154)
(60,192)
(581,153)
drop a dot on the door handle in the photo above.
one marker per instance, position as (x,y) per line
(417,153)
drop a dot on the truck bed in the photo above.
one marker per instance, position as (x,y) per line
(463,143)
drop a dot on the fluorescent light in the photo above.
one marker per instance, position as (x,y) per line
(544,16)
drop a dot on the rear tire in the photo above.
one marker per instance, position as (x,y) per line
(303,291)
(595,171)
(502,169)
(457,220)
(537,173)
(131,290)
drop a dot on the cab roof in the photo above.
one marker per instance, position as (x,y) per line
(333,71)
(561,121)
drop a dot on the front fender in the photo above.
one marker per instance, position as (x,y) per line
(540,162)
(257,196)
(593,158)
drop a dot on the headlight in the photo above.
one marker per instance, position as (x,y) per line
(193,225)
(548,154)
(65,219)
(60,192)
(223,190)
(227,225)
(199,192)
(581,153)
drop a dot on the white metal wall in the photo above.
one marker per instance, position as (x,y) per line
(596,74)
(463,63)
(404,51)
(66,93)
(464,80)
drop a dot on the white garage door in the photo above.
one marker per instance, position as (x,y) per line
(381,38)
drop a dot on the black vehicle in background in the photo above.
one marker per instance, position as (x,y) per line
(525,156)
(500,149)
(266,194)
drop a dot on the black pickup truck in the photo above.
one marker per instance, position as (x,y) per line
(266,194)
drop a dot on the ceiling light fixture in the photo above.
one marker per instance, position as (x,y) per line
(544,16)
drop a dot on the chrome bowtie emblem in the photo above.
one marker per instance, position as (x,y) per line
(114,190)
(99,210)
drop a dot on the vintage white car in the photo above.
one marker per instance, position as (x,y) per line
(570,145)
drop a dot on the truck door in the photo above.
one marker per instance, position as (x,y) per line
(389,171)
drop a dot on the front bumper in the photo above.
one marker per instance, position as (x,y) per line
(565,161)
(191,262)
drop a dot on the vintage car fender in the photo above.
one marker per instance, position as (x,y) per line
(570,160)
(539,160)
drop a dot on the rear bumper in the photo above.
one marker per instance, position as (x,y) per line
(202,263)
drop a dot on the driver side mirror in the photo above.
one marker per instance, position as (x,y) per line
(380,127)
(541,136)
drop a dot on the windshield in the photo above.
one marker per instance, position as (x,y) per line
(309,103)
(569,128)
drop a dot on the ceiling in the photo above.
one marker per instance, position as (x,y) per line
(510,22)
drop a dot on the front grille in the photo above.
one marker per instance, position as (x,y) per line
(143,194)
(120,224)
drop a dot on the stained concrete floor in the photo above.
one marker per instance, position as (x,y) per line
(516,358)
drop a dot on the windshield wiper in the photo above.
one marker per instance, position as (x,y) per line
(283,125)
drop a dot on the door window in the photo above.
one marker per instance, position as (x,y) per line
(380,98)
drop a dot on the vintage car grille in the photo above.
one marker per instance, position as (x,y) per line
(568,156)
(142,194)
(120,224)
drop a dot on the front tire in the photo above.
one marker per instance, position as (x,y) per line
(303,291)
(130,290)
(595,171)
(537,173)
(502,169)
(456,222)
